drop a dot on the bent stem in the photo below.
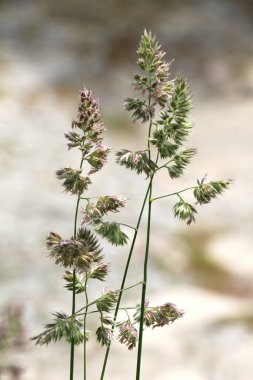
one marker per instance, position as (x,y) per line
(124,279)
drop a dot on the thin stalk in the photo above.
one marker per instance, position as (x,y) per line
(124,279)
(145,267)
(163,166)
(92,303)
(84,328)
(120,308)
(72,347)
(144,286)
(176,193)
(127,225)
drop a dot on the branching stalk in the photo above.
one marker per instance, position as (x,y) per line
(93,303)
(124,279)
(144,286)
(176,193)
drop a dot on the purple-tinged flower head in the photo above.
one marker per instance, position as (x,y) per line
(98,158)
(88,111)
(73,180)
(159,316)
(87,132)
(92,214)
(128,334)
(88,123)
(110,203)
(80,253)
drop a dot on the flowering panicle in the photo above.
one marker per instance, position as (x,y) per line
(87,133)
(139,108)
(160,315)
(155,80)
(164,104)
(104,335)
(128,334)
(112,232)
(205,192)
(110,203)
(88,117)
(74,281)
(137,161)
(107,300)
(164,145)
(184,211)
(98,158)
(99,271)
(179,162)
(63,326)
(94,213)
(80,252)
(171,97)
(73,181)
(104,332)
(169,125)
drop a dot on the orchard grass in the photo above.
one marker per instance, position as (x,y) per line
(163,106)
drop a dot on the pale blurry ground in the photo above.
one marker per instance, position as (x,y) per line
(206,269)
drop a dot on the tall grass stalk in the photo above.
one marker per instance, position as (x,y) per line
(124,279)
(163,106)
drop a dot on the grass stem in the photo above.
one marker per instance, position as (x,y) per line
(144,285)
(124,278)
(72,346)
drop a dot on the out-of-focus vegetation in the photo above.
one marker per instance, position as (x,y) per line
(204,268)
(72,42)
(12,339)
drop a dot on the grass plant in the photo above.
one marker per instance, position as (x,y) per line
(163,107)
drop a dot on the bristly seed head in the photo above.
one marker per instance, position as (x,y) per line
(128,334)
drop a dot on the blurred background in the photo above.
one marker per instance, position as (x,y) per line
(48,51)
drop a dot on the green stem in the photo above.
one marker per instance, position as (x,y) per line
(144,286)
(120,308)
(72,347)
(92,303)
(145,267)
(84,328)
(163,166)
(124,279)
(176,193)
(127,225)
